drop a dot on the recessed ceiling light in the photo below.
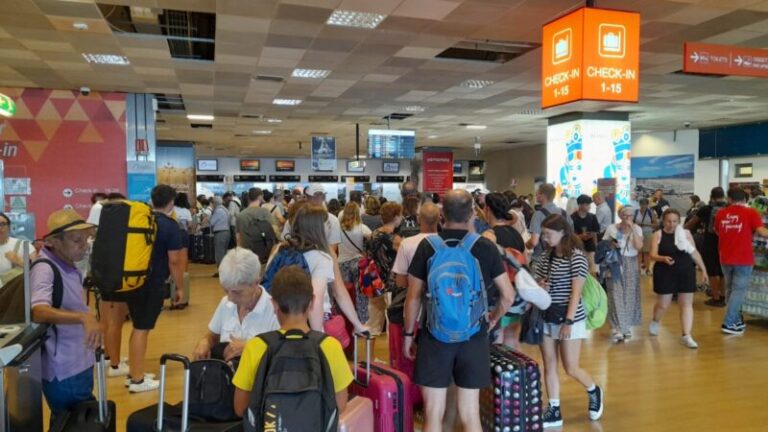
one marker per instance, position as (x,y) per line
(290,102)
(355,19)
(310,73)
(202,117)
(476,84)
(476,127)
(261,132)
(110,59)
(414,108)
(432,136)
(273,120)
(79,25)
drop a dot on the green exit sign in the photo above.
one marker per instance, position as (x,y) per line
(7,106)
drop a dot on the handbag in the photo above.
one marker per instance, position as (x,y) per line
(337,328)
(532,327)
(556,313)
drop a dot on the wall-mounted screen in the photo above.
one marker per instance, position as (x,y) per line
(457,167)
(250,164)
(476,170)
(390,167)
(391,144)
(284,165)
(207,164)
(356,166)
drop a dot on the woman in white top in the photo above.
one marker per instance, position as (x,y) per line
(10,248)
(308,235)
(624,290)
(354,234)
(245,311)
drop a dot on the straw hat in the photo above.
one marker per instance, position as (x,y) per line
(66,220)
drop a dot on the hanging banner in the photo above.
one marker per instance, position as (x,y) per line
(591,54)
(438,172)
(176,167)
(323,153)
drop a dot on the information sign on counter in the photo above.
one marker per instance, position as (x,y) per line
(725,60)
(438,172)
(591,54)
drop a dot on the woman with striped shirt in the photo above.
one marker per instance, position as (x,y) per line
(562,271)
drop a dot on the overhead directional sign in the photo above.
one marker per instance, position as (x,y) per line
(725,60)
(591,54)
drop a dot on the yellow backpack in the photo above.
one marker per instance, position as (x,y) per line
(122,251)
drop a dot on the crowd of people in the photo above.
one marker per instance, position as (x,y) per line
(291,260)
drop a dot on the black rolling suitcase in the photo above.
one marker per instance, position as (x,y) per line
(209,253)
(195,250)
(92,416)
(513,401)
(164,417)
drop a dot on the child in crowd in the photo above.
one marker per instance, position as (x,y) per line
(292,299)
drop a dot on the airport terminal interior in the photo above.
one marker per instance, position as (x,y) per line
(623,123)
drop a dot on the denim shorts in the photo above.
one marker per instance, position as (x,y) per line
(578,330)
(65,394)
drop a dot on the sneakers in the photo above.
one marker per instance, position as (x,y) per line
(121,370)
(688,341)
(147,375)
(147,384)
(715,303)
(735,329)
(552,417)
(653,328)
(627,336)
(617,338)
(596,404)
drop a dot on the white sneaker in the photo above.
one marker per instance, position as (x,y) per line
(617,338)
(148,384)
(121,370)
(689,342)
(147,375)
(653,328)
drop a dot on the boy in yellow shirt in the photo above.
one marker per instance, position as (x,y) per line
(292,298)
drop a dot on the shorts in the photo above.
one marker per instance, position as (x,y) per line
(438,364)
(145,304)
(711,257)
(508,320)
(647,238)
(578,330)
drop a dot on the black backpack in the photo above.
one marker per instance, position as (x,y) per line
(409,227)
(716,207)
(211,392)
(259,236)
(294,391)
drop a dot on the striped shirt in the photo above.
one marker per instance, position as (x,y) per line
(560,278)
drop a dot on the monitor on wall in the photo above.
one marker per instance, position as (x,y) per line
(250,165)
(390,167)
(285,165)
(391,144)
(457,167)
(355,166)
(207,164)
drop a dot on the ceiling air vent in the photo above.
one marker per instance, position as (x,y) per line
(190,35)
(531,112)
(251,116)
(397,116)
(272,78)
(485,50)
(201,126)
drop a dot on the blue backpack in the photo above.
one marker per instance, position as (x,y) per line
(456,298)
(286,256)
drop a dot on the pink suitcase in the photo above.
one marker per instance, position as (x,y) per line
(387,388)
(397,359)
(357,416)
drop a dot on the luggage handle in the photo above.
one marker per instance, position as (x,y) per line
(185,402)
(101,385)
(368,339)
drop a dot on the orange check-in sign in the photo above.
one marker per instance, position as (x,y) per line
(591,54)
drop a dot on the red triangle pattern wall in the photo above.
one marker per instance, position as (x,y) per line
(68,144)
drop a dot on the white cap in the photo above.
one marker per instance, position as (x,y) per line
(314,189)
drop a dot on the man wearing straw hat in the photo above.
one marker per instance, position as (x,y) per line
(75,332)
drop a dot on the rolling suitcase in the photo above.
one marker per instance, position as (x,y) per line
(398,361)
(164,417)
(209,253)
(92,416)
(357,416)
(195,248)
(387,388)
(513,401)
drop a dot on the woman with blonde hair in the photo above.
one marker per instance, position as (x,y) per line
(371,218)
(354,234)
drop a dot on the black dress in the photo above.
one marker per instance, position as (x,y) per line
(679,277)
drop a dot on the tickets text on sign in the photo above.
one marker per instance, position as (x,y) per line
(591,54)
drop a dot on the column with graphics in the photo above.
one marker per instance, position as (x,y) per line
(590,55)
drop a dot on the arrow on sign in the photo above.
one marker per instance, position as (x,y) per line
(695,57)
(739,60)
